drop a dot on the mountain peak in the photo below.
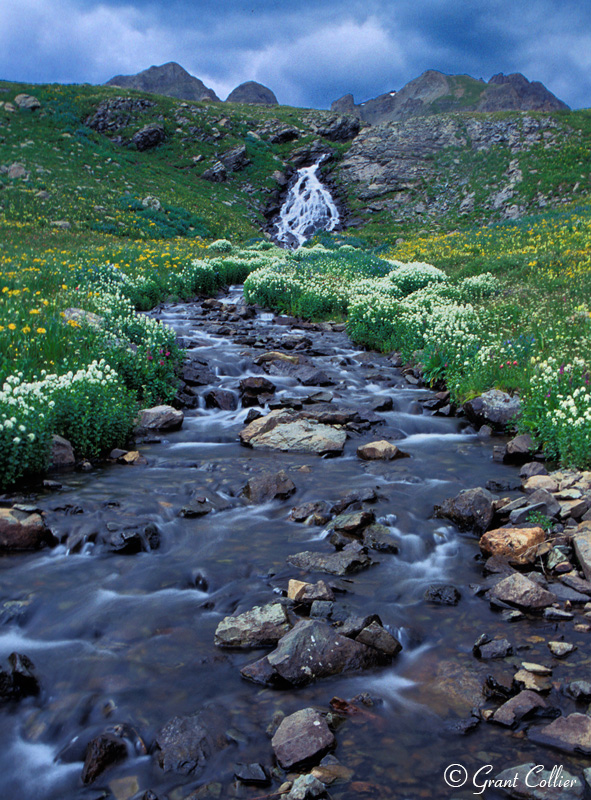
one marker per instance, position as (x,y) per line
(253,93)
(168,79)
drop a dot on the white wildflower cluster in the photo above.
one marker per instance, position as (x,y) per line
(220,246)
(415,275)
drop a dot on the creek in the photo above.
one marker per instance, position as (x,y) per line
(128,639)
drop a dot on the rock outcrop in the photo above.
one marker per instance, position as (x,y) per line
(168,79)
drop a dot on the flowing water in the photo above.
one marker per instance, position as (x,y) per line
(308,208)
(128,639)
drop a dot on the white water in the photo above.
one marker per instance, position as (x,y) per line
(308,208)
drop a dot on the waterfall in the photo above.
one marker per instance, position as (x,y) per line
(308,208)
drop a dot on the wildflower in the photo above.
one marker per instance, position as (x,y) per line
(41,330)
(11,326)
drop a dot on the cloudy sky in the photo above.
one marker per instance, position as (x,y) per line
(309,52)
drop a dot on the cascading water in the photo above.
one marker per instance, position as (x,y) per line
(308,208)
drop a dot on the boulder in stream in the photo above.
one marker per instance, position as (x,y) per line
(102,752)
(494,408)
(223,399)
(471,509)
(269,486)
(259,627)
(352,558)
(380,451)
(518,590)
(289,432)
(23,529)
(185,744)
(302,737)
(518,545)
(20,681)
(571,734)
(159,418)
(311,650)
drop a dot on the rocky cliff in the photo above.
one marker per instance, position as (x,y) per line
(434,93)
(168,79)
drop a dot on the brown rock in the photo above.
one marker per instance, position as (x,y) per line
(22,530)
(301,737)
(380,450)
(536,482)
(160,418)
(571,734)
(517,708)
(518,545)
(517,590)
(62,453)
(102,752)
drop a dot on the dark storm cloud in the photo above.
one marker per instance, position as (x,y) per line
(308,52)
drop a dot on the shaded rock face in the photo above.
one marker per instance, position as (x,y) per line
(269,486)
(149,136)
(301,737)
(20,681)
(102,752)
(351,558)
(168,79)
(494,408)
(252,93)
(517,590)
(433,92)
(116,113)
(160,418)
(185,744)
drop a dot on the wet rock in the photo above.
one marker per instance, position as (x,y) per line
(444,595)
(311,650)
(101,753)
(314,513)
(149,136)
(378,537)
(306,787)
(222,399)
(198,374)
(571,734)
(285,431)
(380,450)
(353,523)
(23,530)
(133,540)
(581,544)
(275,355)
(350,559)
(185,744)
(494,408)
(533,782)
(561,649)
(517,590)
(579,690)
(252,774)
(160,418)
(497,648)
(20,681)
(261,626)
(368,495)
(518,545)
(519,449)
(471,509)
(308,593)
(62,453)
(310,376)
(374,635)
(255,390)
(517,708)
(301,738)
(524,679)
(269,486)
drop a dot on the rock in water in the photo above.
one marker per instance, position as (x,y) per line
(381,450)
(494,407)
(302,737)
(286,431)
(269,486)
(160,418)
(471,509)
(518,545)
(517,590)
(571,734)
(185,744)
(102,752)
(261,626)
(22,530)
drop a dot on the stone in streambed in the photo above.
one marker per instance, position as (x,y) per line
(374,635)
(571,734)
(313,513)
(269,486)
(101,753)
(471,509)
(517,708)
(185,744)
(561,649)
(159,418)
(259,627)
(582,546)
(23,530)
(532,782)
(380,451)
(444,595)
(133,540)
(351,558)
(518,545)
(307,593)
(20,681)
(252,774)
(288,432)
(62,453)
(306,787)
(354,522)
(302,737)
(378,537)
(519,449)
(223,399)
(494,407)
(517,590)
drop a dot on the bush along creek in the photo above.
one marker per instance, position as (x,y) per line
(312,575)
